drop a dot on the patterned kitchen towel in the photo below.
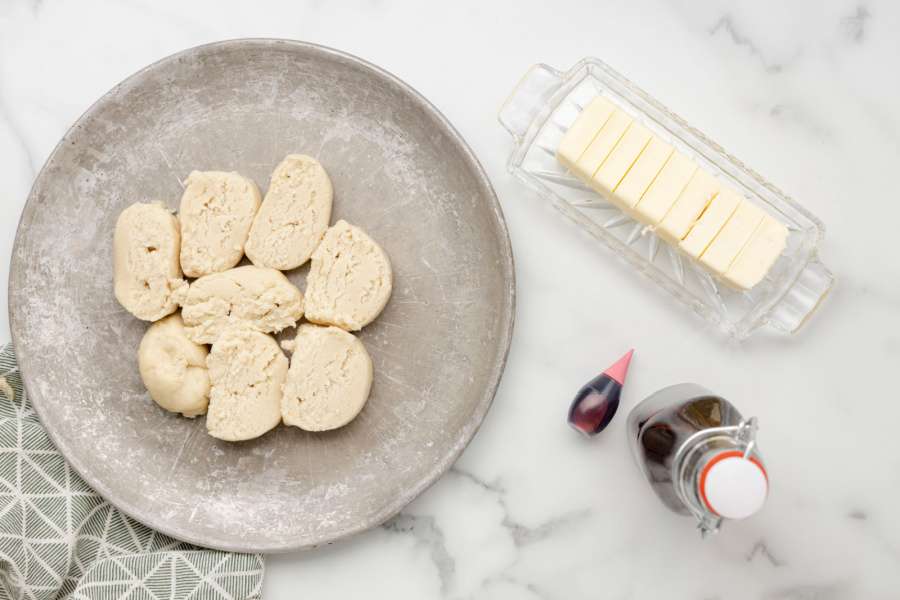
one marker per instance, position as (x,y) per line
(59,539)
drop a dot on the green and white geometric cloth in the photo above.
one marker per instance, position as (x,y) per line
(59,539)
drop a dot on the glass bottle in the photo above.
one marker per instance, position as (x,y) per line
(699,455)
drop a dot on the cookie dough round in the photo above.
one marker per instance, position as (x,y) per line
(261,299)
(293,216)
(246,370)
(146,273)
(173,368)
(350,279)
(329,379)
(216,213)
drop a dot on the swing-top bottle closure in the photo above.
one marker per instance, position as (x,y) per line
(718,475)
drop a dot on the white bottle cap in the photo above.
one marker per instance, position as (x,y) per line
(732,486)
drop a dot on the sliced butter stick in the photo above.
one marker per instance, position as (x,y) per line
(687,209)
(710,223)
(754,261)
(642,173)
(579,136)
(663,192)
(620,159)
(602,145)
(732,238)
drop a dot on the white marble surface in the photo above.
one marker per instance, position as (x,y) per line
(807,93)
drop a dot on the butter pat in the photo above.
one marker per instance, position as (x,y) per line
(582,132)
(754,261)
(732,238)
(620,160)
(643,172)
(710,223)
(698,193)
(663,192)
(602,145)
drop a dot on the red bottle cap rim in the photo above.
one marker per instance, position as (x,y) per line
(732,485)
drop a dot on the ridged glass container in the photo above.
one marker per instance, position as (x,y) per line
(540,110)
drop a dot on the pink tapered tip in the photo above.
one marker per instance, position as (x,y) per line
(620,368)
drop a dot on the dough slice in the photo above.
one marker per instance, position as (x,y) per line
(253,297)
(147,276)
(217,210)
(294,214)
(173,368)
(349,281)
(329,379)
(246,372)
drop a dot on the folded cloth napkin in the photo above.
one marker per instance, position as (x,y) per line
(59,539)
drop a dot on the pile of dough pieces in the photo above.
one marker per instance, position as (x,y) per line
(217,355)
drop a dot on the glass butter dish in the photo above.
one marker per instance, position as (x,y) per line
(544,105)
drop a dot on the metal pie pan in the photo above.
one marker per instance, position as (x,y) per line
(400,171)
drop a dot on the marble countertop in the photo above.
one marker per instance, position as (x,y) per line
(806,93)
